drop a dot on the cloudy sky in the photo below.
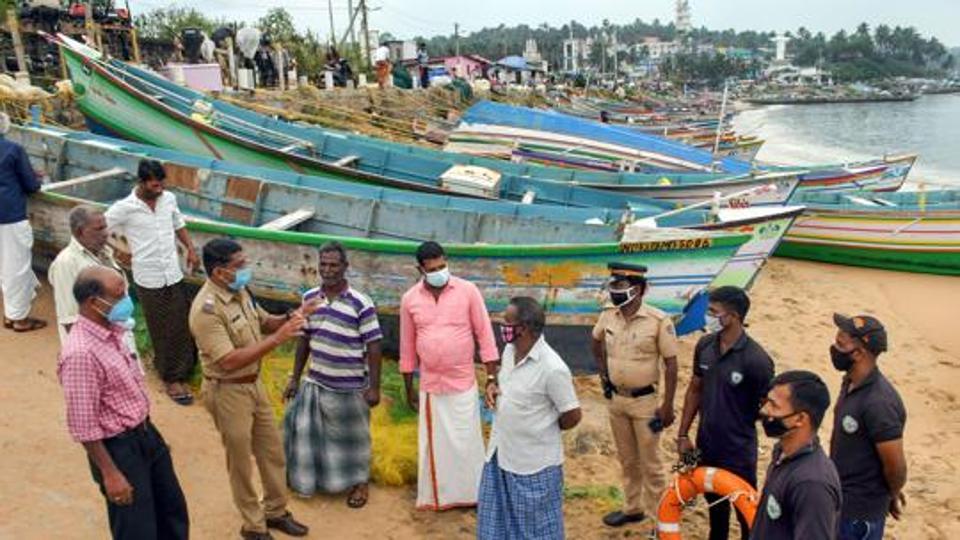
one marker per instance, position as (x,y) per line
(408,18)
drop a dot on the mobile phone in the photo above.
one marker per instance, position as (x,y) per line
(656,424)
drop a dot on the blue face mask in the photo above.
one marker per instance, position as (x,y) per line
(121,311)
(241,278)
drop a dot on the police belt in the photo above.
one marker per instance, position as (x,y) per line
(246,379)
(635,392)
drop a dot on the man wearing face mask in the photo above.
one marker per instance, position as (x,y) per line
(521,491)
(731,375)
(233,335)
(108,413)
(443,322)
(868,423)
(801,495)
(629,341)
(150,220)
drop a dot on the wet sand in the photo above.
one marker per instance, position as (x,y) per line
(46,490)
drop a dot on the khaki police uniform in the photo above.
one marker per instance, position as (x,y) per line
(635,347)
(221,321)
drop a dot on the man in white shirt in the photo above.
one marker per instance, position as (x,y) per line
(151,221)
(521,490)
(87,247)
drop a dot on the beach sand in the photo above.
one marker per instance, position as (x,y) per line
(46,490)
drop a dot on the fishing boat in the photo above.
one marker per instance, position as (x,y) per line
(123,102)
(120,99)
(522,134)
(253,194)
(907,231)
(566,278)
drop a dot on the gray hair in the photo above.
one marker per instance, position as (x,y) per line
(530,313)
(79,216)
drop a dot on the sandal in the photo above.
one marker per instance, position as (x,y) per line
(7,323)
(31,325)
(358,496)
(179,394)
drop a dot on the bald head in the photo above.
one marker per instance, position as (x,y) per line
(97,282)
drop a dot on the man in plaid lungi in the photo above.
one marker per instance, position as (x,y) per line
(521,490)
(327,425)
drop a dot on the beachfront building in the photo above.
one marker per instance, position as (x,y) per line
(575,54)
(466,66)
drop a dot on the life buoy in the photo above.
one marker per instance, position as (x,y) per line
(687,485)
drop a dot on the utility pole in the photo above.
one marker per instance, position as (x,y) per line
(353,28)
(88,22)
(333,33)
(366,33)
(456,37)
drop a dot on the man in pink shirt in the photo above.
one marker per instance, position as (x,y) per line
(442,321)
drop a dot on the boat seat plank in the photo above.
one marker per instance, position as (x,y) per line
(87,178)
(289,221)
(347,161)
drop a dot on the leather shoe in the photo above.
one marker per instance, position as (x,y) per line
(288,525)
(619,519)
(254,535)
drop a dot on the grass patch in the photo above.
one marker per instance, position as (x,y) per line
(604,497)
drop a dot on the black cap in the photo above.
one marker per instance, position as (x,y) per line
(865,328)
(634,273)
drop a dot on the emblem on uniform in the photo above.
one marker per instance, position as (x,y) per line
(736,378)
(208,305)
(773,508)
(850,424)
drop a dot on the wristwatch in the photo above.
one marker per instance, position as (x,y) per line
(491,379)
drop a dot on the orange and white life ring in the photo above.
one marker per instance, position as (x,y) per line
(687,485)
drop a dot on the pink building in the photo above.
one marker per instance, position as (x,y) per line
(467,66)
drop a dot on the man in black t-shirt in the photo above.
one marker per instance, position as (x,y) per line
(801,495)
(731,374)
(868,423)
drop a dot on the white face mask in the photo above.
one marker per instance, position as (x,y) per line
(713,324)
(437,279)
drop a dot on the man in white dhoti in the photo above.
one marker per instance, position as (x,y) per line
(442,321)
(18,283)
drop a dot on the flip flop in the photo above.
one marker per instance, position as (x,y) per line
(181,397)
(7,323)
(355,499)
(32,324)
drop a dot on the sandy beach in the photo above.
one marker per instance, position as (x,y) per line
(46,490)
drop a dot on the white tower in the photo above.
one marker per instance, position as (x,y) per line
(683,24)
(781,41)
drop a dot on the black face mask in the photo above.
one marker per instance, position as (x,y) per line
(774,427)
(842,361)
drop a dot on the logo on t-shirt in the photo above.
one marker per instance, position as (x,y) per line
(850,424)
(773,508)
(736,377)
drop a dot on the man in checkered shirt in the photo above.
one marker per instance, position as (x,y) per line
(108,413)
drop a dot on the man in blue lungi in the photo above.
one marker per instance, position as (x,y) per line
(327,426)
(521,489)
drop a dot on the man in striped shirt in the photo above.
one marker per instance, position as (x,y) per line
(327,425)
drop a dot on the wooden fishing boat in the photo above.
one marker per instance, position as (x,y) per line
(121,99)
(907,231)
(346,208)
(567,279)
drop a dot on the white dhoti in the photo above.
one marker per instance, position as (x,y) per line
(17,280)
(451,450)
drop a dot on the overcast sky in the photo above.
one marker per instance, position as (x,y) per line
(409,18)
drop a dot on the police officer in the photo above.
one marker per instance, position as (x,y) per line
(868,424)
(731,375)
(801,494)
(229,328)
(629,341)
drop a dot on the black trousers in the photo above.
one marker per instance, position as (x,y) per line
(720,512)
(159,510)
(166,310)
